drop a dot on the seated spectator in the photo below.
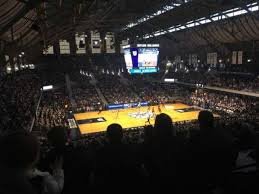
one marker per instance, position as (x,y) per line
(115,164)
(165,153)
(212,154)
(20,153)
(75,164)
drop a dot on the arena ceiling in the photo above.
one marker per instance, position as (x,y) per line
(29,25)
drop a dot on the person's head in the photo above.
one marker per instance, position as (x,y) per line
(57,137)
(19,151)
(114,133)
(163,126)
(206,120)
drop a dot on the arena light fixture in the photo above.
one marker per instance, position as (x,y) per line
(252,7)
(46,88)
(164,9)
(169,80)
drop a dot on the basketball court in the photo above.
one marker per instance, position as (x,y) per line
(92,122)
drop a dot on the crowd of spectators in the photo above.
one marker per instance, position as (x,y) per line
(247,83)
(85,94)
(54,104)
(185,157)
(53,110)
(155,92)
(114,91)
(86,98)
(230,80)
(221,101)
(146,159)
(19,97)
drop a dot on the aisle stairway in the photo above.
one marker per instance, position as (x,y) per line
(69,89)
(126,82)
(100,94)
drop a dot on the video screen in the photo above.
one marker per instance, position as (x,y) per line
(148,57)
(141,59)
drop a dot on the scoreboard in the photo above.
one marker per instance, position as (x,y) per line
(141,58)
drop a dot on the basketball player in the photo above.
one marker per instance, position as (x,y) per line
(139,105)
(163,104)
(148,119)
(153,110)
(159,108)
(100,110)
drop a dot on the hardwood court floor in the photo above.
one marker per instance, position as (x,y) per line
(127,117)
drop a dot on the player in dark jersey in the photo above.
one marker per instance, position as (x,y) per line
(153,110)
(159,108)
(100,110)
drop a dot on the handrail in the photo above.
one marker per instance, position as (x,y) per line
(36,111)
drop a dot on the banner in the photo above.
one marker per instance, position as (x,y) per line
(240,58)
(215,58)
(210,58)
(234,57)
(80,43)
(95,42)
(110,42)
(123,106)
(64,47)
(49,50)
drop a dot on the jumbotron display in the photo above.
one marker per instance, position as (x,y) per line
(141,58)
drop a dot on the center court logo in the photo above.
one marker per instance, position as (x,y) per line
(141,115)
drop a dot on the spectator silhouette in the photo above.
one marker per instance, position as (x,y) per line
(145,148)
(211,154)
(19,154)
(165,153)
(115,163)
(75,161)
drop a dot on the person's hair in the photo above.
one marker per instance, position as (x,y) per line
(206,119)
(57,137)
(163,126)
(114,133)
(19,150)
